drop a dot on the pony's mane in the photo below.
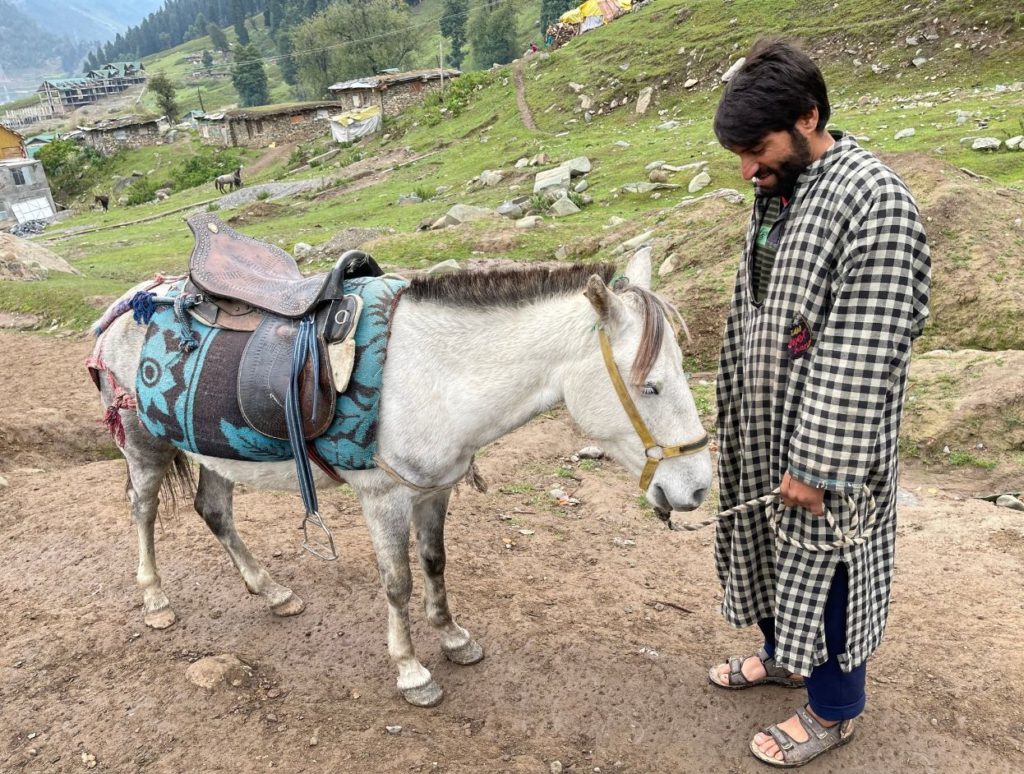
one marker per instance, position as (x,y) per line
(505,286)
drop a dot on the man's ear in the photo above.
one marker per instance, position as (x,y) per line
(807,124)
(638,271)
(607,305)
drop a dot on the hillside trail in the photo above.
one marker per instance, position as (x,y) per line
(599,624)
(524,108)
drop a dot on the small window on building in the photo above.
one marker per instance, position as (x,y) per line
(321,114)
(21,175)
(120,134)
(356,101)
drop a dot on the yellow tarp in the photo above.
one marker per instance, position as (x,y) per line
(608,9)
(359,114)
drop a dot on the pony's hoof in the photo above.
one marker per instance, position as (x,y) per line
(469,653)
(427,695)
(291,606)
(159,619)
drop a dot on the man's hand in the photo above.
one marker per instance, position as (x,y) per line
(796,493)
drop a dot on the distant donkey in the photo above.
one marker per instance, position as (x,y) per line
(229,181)
(103,200)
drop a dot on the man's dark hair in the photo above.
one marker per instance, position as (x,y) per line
(776,85)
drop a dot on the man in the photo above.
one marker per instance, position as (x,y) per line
(831,290)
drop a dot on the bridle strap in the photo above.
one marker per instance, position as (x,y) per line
(654,451)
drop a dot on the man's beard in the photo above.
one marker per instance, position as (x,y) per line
(789,169)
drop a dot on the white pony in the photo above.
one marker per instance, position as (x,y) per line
(472,356)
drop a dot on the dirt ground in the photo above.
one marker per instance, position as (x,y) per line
(599,624)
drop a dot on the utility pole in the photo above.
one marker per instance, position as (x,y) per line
(440,59)
(199,92)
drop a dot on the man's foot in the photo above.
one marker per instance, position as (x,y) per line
(758,669)
(790,743)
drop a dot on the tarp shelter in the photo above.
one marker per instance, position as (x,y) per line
(594,13)
(347,126)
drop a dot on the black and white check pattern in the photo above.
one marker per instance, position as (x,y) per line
(854,265)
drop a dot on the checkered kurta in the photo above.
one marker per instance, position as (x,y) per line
(853,271)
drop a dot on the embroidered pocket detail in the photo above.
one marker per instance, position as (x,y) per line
(800,339)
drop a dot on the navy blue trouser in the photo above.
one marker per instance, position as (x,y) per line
(832,693)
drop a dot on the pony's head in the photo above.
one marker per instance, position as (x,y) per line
(651,415)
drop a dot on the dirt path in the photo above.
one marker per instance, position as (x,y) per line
(524,109)
(585,664)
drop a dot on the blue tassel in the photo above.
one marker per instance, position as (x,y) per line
(143,307)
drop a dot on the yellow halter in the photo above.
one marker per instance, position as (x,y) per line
(654,451)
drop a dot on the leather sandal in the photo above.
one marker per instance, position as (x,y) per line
(736,680)
(819,740)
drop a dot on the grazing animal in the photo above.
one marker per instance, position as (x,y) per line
(470,358)
(103,200)
(229,181)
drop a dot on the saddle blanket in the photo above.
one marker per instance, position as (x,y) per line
(191,400)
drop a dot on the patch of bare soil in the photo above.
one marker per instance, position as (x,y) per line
(256,211)
(588,662)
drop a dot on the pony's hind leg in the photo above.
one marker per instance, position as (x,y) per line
(213,501)
(149,461)
(388,515)
(428,518)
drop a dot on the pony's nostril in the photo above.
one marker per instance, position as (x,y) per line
(699,495)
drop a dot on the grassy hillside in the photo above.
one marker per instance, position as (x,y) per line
(973,202)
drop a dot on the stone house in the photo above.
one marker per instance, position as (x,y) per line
(116,134)
(259,127)
(393,92)
(12,144)
(24,192)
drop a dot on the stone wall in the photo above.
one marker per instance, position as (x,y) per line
(111,141)
(34,188)
(261,131)
(392,100)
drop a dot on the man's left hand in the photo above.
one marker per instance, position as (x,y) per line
(797,494)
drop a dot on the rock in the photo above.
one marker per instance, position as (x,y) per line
(728,74)
(530,221)
(22,259)
(523,162)
(986,144)
(690,83)
(911,40)
(642,188)
(557,494)
(581,186)
(444,267)
(700,180)
(393,730)
(694,165)
(555,767)
(511,210)
(962,117)
(576,87)
(919,61)
(564,206)
(559,177)
(4,483)
(622,143)
(214,671)
(539,160)
(1009,501)
(668,126)
(615,220)
(590,453)
(302,249)
(578,166)
(586,103)
(1015,143)
(655,165)
(644,100)
(670,265)
(410,199)
(658,176)
(466,213)
(490,177)
(634,243)
(903,133)
(443,222)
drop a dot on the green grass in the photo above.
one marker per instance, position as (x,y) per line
(962,458)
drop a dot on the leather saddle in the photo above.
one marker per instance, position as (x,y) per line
(242,284)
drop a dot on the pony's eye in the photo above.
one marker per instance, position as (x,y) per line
(649,388)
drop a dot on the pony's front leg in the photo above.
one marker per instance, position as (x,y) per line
(387,516)
(456,642)
(213,501)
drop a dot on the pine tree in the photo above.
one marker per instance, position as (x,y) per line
(550,10)
(249,77)
(453,27)
(238,20)
(218,38)
(207,59)
(286,63)
(492,34)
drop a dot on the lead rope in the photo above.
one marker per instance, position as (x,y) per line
(857,535)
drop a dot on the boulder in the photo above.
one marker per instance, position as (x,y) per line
(466,213)
(578,166)
(644,100)
(903,133)
(562,207)
(699,181)
(530,221)
(219,671)
(559,177)
(986,144)
(728,74)
(22,259)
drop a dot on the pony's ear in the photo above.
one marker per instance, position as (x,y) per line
(638,271)
(605,303)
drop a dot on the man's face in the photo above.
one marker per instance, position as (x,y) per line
(775,163)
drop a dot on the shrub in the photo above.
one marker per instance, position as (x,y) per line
(205,165)
(425,192)
(141,191)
